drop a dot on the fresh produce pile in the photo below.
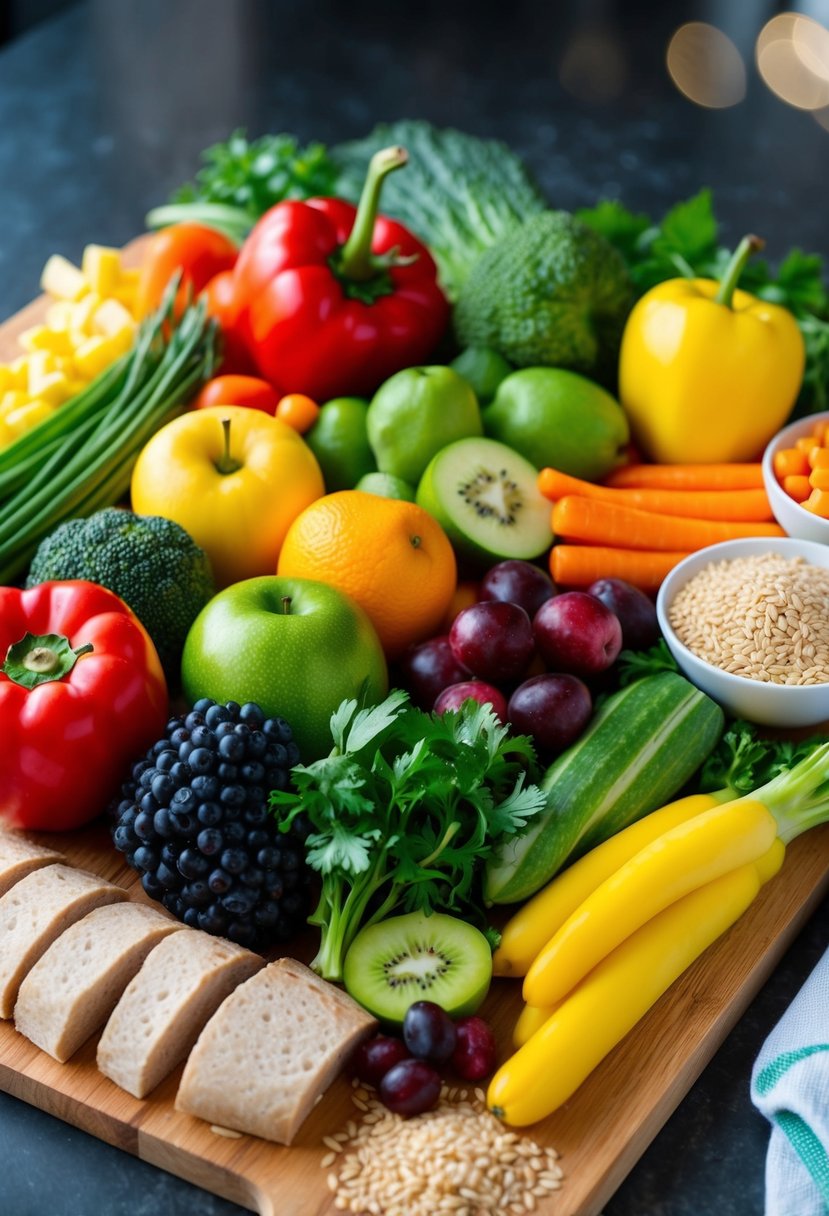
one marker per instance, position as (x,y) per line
(339,586)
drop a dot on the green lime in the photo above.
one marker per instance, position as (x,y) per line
(483,368)
(385,485)
(339,440)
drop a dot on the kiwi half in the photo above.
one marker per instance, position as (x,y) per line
(486,498)
(418,958)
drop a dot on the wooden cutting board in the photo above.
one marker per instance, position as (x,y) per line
(600,1133)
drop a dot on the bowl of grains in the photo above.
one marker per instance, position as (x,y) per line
(786,494)
(747,621)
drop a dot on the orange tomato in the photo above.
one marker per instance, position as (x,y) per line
(298,411)
(391,556)
(247,391)
(195,250)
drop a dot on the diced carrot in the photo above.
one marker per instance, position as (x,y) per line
(805,444)
(818,479)
(790,462)
(581,565)
(819,458)
(818,502)
(747,505)
(687,477)
(598,523)
(798,487)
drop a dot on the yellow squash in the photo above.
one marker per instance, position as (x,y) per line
(708,374)
(532,926)
(682,859)
(609,1002)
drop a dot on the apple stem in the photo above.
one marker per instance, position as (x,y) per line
(286,605)
(226,464)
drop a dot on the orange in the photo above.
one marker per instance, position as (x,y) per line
(390,556)
(298,411)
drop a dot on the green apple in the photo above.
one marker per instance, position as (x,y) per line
(484,368)
(294,646)
(559,419)
(415,414)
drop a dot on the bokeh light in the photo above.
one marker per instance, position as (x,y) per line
(706,66)
(793,60)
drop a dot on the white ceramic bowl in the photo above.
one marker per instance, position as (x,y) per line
(793,519)
(782,705)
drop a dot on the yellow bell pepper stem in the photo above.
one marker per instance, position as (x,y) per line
(676,863)
(728,284)
(609,1002)
(532,926)
(708,373)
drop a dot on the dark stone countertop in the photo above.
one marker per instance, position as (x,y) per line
(105,109)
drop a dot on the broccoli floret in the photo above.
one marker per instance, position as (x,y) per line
(150,562)
(552,293)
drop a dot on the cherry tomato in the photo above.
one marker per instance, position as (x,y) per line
(298,411)
(238,390)
(198,252)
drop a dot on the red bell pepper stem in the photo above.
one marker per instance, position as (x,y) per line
(355,261)
(728,284)
(39,658)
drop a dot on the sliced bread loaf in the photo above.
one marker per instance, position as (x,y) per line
(20,856)
(36,911)
(272,1048)
(165,1006)
(73,988)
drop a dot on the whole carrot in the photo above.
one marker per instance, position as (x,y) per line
(688,477)
(601,523)
(581,565)
(748,506)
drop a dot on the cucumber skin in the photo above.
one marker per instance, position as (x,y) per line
(642,746)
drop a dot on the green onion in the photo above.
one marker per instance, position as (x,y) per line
(81,458)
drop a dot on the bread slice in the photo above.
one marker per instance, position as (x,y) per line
(71,991)
(270,1051)
(165,1006)
(20,856)
(36,911)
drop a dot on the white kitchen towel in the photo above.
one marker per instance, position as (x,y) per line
(790,1086)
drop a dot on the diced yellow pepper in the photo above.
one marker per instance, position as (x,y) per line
(23,419)
(42,337)
(83,312)
(96,354)
(6,378)
(59,314)
(12,400)
(19,369)
(41,363)
(62,279)
(6,435)
(111,319)
(126,289)
(101,268)
(52,387)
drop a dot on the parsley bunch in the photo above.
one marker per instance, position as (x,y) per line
(404,812)
(743,761)
(685,244)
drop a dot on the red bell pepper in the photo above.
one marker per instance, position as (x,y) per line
(334,299)
(82,694)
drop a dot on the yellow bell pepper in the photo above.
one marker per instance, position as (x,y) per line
(609,1002)
(685,858)
(708,374)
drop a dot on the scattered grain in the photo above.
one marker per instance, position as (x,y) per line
(778,631)
(227,1132)
(457,1159)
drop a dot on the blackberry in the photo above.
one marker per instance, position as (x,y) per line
(193,820)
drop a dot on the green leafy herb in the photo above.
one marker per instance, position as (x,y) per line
(241,179)
(404,811)
(686,243)
(743,760)
(634,664)
(458,193)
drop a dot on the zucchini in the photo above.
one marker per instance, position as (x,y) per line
(644,743)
